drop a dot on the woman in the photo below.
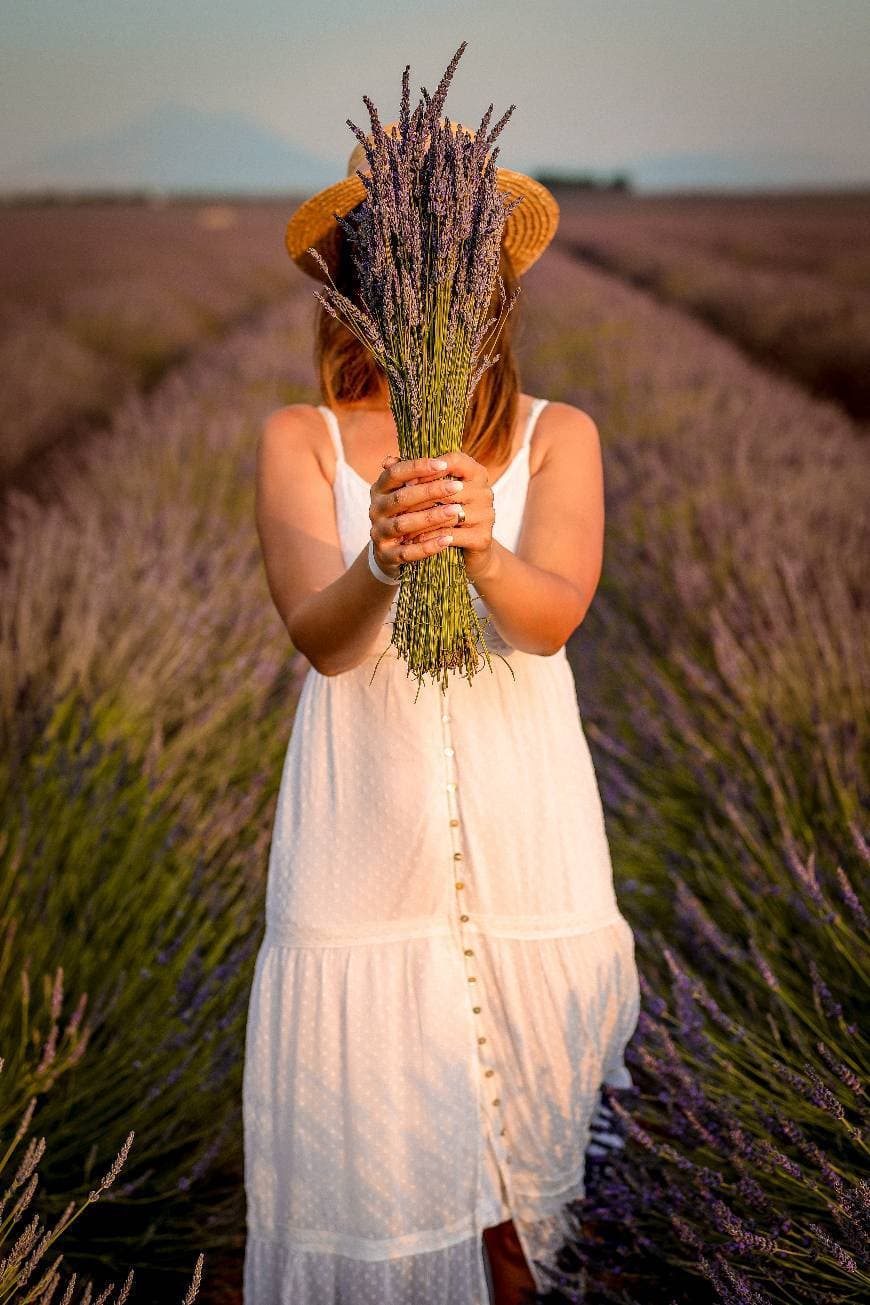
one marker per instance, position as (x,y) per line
(445,978)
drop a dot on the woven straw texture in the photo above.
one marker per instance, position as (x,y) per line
(528,229)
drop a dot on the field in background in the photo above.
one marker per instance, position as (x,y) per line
(99,300)
(96,301)
(787,277)
(147,691)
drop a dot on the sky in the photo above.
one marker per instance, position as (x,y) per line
(596,82)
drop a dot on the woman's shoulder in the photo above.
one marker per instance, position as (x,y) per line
(556,413)
(297,417)
(296,427)
(560,426)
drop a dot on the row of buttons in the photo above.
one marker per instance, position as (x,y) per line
(459,886)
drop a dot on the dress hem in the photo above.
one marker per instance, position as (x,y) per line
(326,1243)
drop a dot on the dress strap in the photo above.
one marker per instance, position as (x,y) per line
(332,426)
(537,407)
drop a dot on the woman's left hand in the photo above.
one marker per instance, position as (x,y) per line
(474,492)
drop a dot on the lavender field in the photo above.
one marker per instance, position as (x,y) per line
(98,300)
(147,691)
(786,276)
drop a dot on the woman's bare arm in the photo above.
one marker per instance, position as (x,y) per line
(333,615)
(540,594)
(537,596)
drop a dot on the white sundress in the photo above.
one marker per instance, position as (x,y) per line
(445,977)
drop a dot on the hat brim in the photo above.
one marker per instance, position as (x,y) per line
(527,233)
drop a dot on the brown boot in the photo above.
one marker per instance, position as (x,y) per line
(512,1280)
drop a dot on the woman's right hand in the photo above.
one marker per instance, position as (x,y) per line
(410,512)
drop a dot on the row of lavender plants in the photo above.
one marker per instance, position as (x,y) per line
(146,696)
(788,279)
(49,1041)
(722,678)
(98,299)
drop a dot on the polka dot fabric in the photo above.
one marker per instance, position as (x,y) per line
(445,979)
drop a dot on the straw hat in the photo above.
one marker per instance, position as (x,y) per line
(527,232)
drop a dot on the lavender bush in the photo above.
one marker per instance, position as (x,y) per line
(786,278)
(147,693)
(425,244)
(95,870)
(723,679)
(99,300)
(39,1059)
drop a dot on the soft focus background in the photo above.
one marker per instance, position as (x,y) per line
(707,301)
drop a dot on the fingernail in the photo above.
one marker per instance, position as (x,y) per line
(445,539)
(439,464)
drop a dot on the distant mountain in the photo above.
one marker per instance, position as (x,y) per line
(739,171)
(177,147)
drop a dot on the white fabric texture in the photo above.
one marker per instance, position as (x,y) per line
(445,978)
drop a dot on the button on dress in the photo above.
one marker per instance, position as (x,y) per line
(445,978)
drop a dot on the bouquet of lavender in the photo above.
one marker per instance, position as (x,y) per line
(425,243)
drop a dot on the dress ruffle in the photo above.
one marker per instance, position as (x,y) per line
(353,1086)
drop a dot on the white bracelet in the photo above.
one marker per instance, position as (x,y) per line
(376,570)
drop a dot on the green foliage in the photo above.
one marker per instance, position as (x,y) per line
(723,676)
(98,875)
(43,1051)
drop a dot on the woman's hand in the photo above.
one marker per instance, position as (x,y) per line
(411,513)
(414,508)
